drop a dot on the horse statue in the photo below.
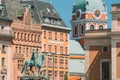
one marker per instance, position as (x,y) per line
(35,61)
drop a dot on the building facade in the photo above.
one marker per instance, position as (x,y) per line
(6,37)
(35,24)
(102,50)
(89,27)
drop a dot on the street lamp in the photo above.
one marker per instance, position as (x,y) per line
(53,63)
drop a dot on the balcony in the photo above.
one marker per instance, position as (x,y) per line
(18,56)
(3,70)
(6,33)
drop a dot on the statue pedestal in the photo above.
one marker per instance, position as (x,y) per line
(33,77)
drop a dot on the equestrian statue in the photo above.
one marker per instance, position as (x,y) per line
(35,61)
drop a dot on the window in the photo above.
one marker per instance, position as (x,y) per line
(35,38)
(19,49)
(66,50)
(61,36)
(66,36)
(105,48)
(3,48)
(55,35)
(100,27)
(49,48)
(3,77)
(2,27)
(61,49)
(17,35)
(50,35)
(55,49)
(44,34)
(25,36)
(82,29)
(75,30)
(16,49)
(92,27)
(44,47)
(26,50)
(20,65)
(38,38)
(32,37)
(21,35)
(48,9)
(3,61)
(28,37)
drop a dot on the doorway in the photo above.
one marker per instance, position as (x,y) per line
(105,70)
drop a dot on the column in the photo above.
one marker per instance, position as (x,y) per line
(113,58)
(87,61)
(9,63)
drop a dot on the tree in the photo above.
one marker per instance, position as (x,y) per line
(65,77)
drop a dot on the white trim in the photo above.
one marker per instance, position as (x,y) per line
(54,26)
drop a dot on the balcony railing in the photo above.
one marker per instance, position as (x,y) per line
(6,32)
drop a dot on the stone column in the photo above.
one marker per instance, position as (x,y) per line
(113,58)
(86,61)
(8,63)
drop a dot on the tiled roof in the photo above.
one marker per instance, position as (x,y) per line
(44,12)
(11,9)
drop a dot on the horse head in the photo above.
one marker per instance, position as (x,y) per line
(42,57)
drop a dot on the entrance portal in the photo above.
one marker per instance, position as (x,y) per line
(105,70)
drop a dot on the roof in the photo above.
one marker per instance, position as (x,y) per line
(76,66)
(88,5)
(75,48)
(11,9)
(43,12)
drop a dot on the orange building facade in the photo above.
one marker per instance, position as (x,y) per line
(6,37)
(35,24)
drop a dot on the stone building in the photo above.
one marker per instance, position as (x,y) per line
(102,50)
(6,37)
(36,24)
(89,27)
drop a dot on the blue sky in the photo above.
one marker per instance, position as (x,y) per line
(64,8)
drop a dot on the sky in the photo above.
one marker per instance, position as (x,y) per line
(64,8)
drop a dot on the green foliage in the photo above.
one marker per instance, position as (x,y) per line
(65,77)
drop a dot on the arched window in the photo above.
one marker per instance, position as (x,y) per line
(25,36)
(82,29)
(18,35)
(100,27)
(75,30)
(92,27)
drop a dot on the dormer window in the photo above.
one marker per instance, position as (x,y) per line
(54,11)
(48,10)
(92,27)
(46,20)
(1,10)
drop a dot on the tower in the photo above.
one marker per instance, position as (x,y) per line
(88,15)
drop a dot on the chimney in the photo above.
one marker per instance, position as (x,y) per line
(0,2)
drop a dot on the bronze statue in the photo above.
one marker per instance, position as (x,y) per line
(35,61)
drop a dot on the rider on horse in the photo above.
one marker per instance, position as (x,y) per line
(34,56)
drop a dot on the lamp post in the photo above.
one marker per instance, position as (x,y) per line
(53,63)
